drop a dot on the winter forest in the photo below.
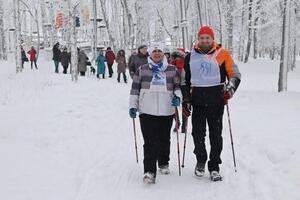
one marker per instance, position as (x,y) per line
(248,28)
(65,130)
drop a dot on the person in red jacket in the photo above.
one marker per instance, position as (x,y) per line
(110,59)
(32,56)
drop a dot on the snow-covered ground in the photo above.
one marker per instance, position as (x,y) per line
(66,141)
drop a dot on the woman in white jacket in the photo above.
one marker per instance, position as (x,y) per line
(155,93)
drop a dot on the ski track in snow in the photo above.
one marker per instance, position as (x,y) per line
(66,141)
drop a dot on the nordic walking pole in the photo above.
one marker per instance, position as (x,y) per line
(135,143)
(177,135)
(231,138)
(184,144)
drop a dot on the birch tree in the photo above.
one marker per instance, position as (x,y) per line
(249,39)
(3,54)
(107,23)
(17,33)
(242,33)
(230,5)
(73,40)
(255,28)
(283,71)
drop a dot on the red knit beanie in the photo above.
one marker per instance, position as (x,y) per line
(206,30)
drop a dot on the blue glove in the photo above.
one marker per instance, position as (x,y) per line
(132,112)
(175,101)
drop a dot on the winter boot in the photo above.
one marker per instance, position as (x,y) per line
(149,178)
(164,169)
(200,169)
(215,176)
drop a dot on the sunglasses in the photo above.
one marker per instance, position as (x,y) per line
(157,51)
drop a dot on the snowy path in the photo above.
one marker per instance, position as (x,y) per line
(66,141)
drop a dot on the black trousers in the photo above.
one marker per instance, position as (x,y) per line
(65,69)
(213,115)
(156,131)
(124,77)
(82,73)
(98,75)
(34,61)
(110,70)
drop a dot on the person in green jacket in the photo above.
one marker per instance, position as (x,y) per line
(100,64)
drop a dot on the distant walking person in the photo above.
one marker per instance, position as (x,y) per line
(24,57)
(82,62)
(100,65)
(110,58)
(65,59)
(138,59)
(32,56)
(56,56)
(121,60)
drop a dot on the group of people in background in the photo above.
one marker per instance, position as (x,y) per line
(109,58)
(32,57)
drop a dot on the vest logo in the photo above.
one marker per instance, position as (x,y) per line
(205,68)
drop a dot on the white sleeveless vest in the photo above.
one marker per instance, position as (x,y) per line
(205,70)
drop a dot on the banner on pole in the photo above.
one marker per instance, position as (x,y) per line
(85,13)
(59,20)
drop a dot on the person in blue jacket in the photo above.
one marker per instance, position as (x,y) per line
(101,64)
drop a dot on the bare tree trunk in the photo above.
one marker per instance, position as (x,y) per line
(163,24)
(230,24)
(17,34)
(124,38)
(289,61)
(199,12)
(282,81)
(38,34)
(220,21)
(294,54)
(44,23)
(206,12)
(142,27)
(73,41)
(272,52)
(185,43)
(255,37)
(3,55)
(95,30)
(249,40)
(53,38)
(129,22)
(295,39)
(242,34)
(109,31)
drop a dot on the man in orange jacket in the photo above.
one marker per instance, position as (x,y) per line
(205,89)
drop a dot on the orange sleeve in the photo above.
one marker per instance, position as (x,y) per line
(224,56)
